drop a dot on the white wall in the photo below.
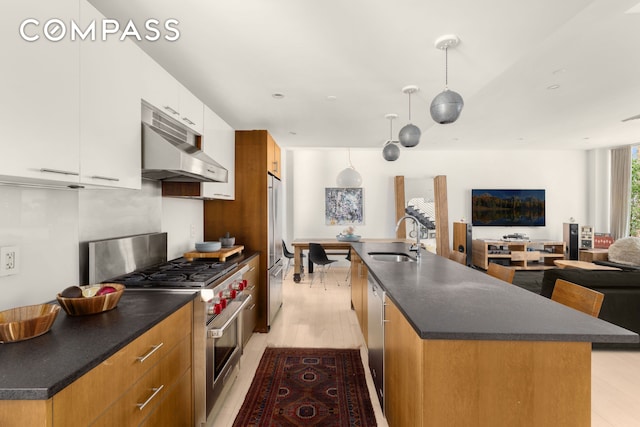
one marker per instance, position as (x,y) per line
(563,174)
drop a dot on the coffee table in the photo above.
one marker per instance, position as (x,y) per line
(566,263)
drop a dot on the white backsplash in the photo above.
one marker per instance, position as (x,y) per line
(52,228)
(43,224)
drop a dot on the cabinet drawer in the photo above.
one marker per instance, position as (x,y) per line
(145,395)
(175,409)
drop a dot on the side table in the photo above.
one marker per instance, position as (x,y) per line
(590,255)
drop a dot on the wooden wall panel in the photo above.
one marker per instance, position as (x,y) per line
(400,205)
(442,215)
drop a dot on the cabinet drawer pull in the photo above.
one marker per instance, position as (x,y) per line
(154,348)
(275,166)
(186,119)
(171,110)
(223,195)
(252,268)
(61,172)
(251,308)
(106,178)
(155,390)
(251,288)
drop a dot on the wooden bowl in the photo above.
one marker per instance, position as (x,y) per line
(22,323)
(92,305)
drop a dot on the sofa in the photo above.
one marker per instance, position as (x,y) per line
(621,289)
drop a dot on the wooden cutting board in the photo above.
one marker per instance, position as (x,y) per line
(222,254)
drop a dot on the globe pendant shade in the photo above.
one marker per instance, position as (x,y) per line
(349,178)
(446,107)
(409,135)
(391,152)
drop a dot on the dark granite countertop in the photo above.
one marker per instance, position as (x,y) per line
(442,299)
(38,368)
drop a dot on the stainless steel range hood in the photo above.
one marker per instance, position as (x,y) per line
(169,152)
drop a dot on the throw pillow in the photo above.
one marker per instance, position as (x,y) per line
(625,251)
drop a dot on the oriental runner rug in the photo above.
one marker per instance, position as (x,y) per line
(308,387)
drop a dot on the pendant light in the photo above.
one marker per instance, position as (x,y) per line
(349,177)
(391,151)
(447,105)
(410,134)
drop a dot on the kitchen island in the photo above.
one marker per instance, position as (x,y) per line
(462,348)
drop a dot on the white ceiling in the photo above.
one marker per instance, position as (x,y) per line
(235,54)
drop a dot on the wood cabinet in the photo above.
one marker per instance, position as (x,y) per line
(521,255)
(274,164)
(110,139)
(403,361)
(154,367)
(359,295)
(39,112)
(250,314)
(246,217)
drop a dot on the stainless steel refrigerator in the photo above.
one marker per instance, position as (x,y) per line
(274,249)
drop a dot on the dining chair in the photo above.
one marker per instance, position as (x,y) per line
(348,258)
(290,258)
(318,255)
(577,297)
(458,257)
(501,272)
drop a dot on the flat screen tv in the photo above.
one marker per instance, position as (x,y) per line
(506,208)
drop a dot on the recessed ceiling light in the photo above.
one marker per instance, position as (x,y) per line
(277,95)
(292,132)
(552,87)
(331,98)
(559,71)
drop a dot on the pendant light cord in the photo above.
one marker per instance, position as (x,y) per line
(409,107)
(349,154)
(391,129)
(446,68)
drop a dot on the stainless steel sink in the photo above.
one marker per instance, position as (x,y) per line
(391,257)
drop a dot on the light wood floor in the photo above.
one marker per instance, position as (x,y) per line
(313,317)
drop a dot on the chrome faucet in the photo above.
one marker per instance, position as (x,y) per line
(416,229)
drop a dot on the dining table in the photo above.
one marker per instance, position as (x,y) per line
(331,244)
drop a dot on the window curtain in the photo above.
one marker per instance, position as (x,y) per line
(620,191)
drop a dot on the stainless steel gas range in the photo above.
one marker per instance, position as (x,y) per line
(139,263)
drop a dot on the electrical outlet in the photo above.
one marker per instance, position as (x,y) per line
(9,260)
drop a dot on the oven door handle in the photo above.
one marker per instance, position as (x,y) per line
(219,332)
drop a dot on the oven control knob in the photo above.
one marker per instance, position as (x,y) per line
(217,308)
(233,293)
(223,303)
(244,284)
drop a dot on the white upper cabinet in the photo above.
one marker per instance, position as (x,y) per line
(163,91)
(219,143)
(191,110)
(39,113)
(159,88)
(110,91)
